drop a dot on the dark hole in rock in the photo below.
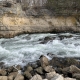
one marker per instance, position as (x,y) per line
(7,4)
(69,75)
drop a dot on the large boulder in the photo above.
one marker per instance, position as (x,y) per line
(29,68)
(3,72)
(48,69)
(74,69)
(19,77)
(12,74)
(76,75)
(27,74)
(10,77)
(44,61)
(50,75)
(39,70)
(36,77)
(3,78)
(58,77)
(69,79)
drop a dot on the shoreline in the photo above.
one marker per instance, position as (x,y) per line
(68,68)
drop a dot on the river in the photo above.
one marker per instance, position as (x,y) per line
(28,47)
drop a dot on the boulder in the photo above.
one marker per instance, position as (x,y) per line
(50,75)
(19,77)
(46,39)
(27,74)
(36,77)
(39,70)
(13,74)
(10,77)
(76,75)
(74,69)
(63,62)
(66,72)
(44,61)
(69,79)
(18,67)
(29,68)
(10,69)
(48,69)
(3,78)
(3,72)
(58,77)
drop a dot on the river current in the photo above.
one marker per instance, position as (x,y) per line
(28,47)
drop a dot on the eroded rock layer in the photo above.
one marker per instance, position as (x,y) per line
(33,16)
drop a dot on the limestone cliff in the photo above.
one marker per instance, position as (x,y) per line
(17,17)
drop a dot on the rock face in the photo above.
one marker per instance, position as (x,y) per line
(16,17)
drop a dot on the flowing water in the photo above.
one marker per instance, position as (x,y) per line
(28,47)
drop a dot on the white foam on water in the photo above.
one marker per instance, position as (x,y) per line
(27,48)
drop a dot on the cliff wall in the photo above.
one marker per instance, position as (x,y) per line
(25,16)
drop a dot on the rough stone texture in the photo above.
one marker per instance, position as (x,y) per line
(27,74)
(44,61)
(14,74)
(69,79)
(10,77)
(39,70)
(3,72)
(48,69)
(3,78)
(36,77)
(50,75)
(19,77)
(65,7)
(74,69)
(36,19)
(13,26)
(58,77)
(76,75)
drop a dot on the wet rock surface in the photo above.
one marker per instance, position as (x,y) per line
(55,69)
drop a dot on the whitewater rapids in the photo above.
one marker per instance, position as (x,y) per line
(28,47)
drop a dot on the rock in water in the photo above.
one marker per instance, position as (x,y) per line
(44,61)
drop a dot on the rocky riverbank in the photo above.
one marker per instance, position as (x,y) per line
(43,69)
